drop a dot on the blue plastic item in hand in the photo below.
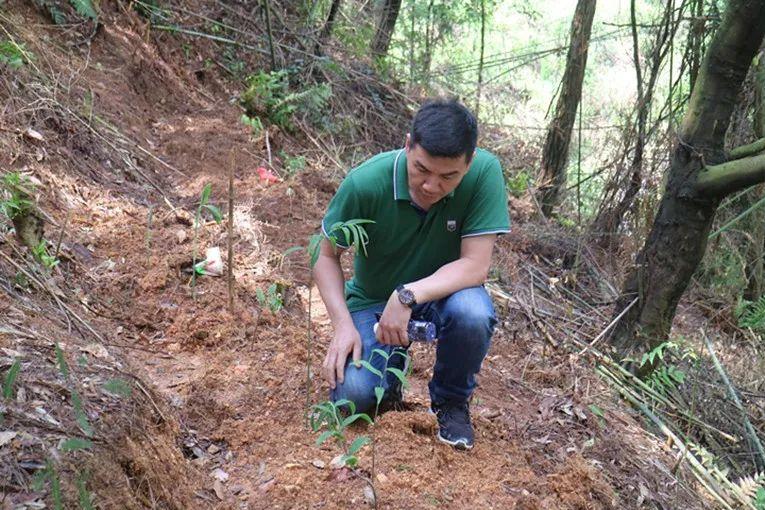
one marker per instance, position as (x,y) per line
(418,331)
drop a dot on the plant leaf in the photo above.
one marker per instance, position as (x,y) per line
(63,367)
(323,437)
(75,443)
(368,366)
(357,444)
(381,353)
(379,393)
(10,379)
(355,417)
(399,375)
(85,8)
(206,192)
(215,212)
(118,387)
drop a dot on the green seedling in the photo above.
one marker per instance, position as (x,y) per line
(292,164)
(13,54)
(272,298)
(49,474)
(204,207)
(40,252)
(10,379)
(254,123)
(75,444)
(17,192)
(329,415)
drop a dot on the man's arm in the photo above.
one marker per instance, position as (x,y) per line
(328,274)
(470,270)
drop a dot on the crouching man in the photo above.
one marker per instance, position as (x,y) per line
(437,205)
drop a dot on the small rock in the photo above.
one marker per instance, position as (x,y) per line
(34,135)
(180,236)
(219,475)
(229,456)
(213,449)
(236,489)
(319,464)
(369,495)
(338,462)
(6,436)
(382,478)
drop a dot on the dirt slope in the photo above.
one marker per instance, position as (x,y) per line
(232,385)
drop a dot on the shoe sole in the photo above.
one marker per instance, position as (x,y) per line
(459,444)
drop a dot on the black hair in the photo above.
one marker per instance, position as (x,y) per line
(445,128)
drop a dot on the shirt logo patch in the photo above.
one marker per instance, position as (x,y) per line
(451,225)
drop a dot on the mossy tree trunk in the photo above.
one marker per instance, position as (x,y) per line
(555,155)
(699,177)
(756,245)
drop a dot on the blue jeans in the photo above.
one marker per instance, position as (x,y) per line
(465,322)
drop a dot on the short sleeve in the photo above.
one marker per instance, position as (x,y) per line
(344,206)
(487,211)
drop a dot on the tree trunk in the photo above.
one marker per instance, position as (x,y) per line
(480,60)
(326,31)
(756,245)
(385,27)
(555,155)
(695,184)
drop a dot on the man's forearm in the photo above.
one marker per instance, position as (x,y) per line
(328,274)
(451,277)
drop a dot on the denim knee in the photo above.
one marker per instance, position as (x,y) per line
(468,314)
(358,387)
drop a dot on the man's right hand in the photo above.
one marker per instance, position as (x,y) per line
(346,341)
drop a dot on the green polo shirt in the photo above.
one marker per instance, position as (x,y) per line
(406,243)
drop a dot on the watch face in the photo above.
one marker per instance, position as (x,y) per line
(406,297)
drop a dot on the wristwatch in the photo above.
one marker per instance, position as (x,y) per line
(406,296)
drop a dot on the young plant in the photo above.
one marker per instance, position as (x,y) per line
(272,298)
(10,379)
(13,54)
(292,164)
(357,237)
(254,123)
(40,252)
(330,416)
(16,202)
(204,207)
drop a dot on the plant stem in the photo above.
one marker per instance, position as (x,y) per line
(308,358)
(231,234)
(194,255)
(61,233)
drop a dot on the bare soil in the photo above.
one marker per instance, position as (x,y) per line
(226,390)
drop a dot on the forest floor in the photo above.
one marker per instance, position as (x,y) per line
(219,421)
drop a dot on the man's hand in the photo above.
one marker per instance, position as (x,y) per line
(346,341)
(392,329)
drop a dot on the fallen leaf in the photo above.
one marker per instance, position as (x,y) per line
(97,350)
(218,488)
(319,464)
(6,436)
(34,135)
(219,475)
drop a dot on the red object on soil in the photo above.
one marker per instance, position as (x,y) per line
(266,175)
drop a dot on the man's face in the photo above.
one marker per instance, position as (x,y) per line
(431,178)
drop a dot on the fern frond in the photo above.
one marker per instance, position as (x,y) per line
(754,316)
(85,8)
(750,484)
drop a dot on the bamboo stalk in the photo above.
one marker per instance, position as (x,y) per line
(751,433)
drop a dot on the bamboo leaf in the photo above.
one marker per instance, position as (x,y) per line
(381,353)
(355,417)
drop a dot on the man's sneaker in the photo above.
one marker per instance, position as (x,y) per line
(454,426)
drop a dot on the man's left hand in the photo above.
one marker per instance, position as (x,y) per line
(392,328)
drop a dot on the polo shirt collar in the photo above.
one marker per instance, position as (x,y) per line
(400,181)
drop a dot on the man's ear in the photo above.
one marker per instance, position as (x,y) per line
(407,144)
